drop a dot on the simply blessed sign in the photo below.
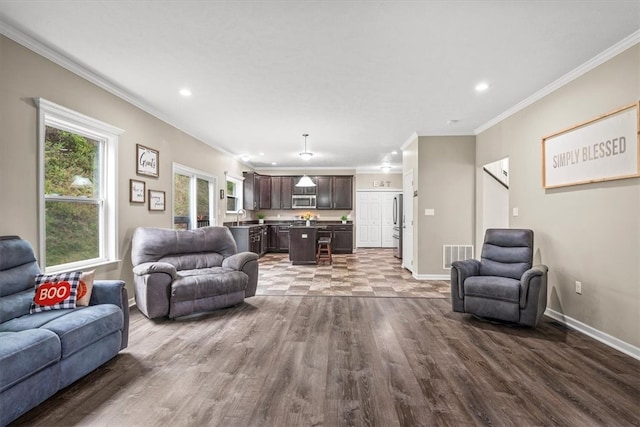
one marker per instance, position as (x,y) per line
(601,149)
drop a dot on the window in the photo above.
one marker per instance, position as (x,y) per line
(234,194)
(77,189)
(193,201)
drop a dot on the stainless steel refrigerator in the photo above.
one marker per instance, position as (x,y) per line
(397,225)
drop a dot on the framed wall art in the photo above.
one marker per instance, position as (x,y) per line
(136,191)
(156,200)
(601,149)
(147,161)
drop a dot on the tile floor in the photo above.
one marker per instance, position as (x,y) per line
(366,272)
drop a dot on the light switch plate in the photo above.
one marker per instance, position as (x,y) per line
(429,212)
(515,212)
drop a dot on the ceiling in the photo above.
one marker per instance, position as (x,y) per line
(360,77)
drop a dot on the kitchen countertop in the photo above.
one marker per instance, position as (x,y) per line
(292,223)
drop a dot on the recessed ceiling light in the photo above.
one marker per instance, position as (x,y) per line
(385,168)
(273,163)
(452,121)
(245,157)
(394,152)
(482,86)
(185,92)
(262,154)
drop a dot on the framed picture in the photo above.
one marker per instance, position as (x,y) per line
(136,191)
(602,149)
(156,200)
(147,161)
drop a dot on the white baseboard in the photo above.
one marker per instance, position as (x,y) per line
(132,302)
(613,342)
(431,276)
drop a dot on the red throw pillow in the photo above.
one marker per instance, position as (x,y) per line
(54,292)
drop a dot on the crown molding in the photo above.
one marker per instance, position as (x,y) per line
(572,75)
(412,137)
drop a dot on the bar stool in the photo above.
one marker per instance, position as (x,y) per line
(324,250)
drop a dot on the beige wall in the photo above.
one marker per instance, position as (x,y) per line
(26,75)
(588,233)
(445,184)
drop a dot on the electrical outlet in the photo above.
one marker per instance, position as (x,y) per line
(578,287)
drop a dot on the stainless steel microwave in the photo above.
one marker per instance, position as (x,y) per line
(303,202)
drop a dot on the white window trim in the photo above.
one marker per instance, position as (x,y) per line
(240,184)
(51,114)
(193,208)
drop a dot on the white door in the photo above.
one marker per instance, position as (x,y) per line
(407,231)
(368,214)
(387,219)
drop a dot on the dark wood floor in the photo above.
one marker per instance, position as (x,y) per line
(350,361)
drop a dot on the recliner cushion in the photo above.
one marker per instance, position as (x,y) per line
(24,353)
(76,328)
(493,287)
(506,252)
(207,282)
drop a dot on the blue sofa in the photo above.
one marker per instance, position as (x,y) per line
(43,352)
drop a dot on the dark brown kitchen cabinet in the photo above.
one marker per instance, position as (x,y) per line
(281,191)
(324,192)
(343,192)
(342,239)
(257,191)
(334,192)
(278,238)
(265,192)
(286,191)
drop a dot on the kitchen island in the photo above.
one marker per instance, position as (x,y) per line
(303,242)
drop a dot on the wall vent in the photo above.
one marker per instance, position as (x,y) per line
(452,253)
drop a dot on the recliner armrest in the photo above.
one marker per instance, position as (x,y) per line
(155,267)
(238,261)
(528,281)
(460,270)
(247,262)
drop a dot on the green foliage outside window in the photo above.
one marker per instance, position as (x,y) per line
(71,171)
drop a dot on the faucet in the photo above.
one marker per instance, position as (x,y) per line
(240,212)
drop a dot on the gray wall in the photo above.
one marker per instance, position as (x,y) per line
(26,75)
(591,232)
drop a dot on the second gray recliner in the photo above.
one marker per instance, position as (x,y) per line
(181,272)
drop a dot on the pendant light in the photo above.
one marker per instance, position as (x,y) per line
(305,181)
(305,155)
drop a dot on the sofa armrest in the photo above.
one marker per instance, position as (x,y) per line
(113,292)
(460,270)
(247,262)
(238,261)
(155,267)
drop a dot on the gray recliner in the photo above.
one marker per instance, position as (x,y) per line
(503,285)
(182,272)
